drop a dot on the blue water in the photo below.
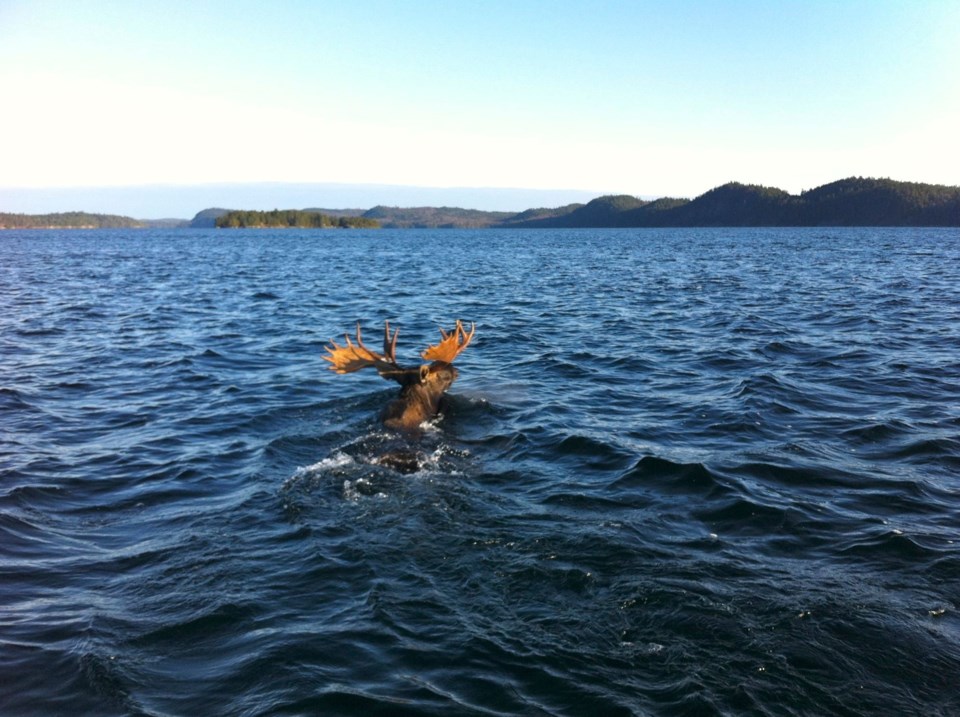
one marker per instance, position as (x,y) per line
(683,472)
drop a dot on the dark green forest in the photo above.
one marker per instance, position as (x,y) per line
(291,218)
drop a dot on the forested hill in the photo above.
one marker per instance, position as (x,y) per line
(68,220)
(207,219)
(433,217)
(849,202)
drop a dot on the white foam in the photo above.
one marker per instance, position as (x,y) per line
(337,460)
(431,426)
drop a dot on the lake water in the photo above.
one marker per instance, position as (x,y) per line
(683,472)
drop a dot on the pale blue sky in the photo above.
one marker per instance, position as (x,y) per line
(646,98)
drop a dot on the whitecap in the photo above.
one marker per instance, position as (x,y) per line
(338,460)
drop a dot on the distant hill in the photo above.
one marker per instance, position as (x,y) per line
(607,211)
(883,202)
(207,219)
(542,213)
(68,220)
(849,202)
(435,217)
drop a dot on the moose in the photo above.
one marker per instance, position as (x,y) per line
(421,388)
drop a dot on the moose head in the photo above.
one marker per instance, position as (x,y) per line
(421,387)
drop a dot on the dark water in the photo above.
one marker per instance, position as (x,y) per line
(682,473)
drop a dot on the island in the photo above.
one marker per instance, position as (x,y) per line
(291,218)
(68,220)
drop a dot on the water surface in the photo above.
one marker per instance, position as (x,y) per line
(683,472)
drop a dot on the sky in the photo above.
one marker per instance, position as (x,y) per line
(643,98)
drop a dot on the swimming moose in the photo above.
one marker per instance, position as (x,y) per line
(421,388)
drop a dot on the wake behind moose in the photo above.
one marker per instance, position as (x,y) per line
(421,387)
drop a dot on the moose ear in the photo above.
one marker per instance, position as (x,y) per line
(424,370)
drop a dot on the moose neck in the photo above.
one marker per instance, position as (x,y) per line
(419,399)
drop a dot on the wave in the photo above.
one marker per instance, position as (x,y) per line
(895,546)
(13,400)
(708,472)
(664,475)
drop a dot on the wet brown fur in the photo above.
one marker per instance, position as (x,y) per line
(420,395)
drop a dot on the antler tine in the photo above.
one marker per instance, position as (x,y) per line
(467,338)
(390,344)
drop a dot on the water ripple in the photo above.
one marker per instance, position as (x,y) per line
(683,472)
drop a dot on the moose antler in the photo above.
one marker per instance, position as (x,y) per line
(452,344)
(422,388)
(350,358)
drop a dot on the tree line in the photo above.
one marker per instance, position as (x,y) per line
(291,218)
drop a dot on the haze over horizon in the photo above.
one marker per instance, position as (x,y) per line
(184,201)
(125,103)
